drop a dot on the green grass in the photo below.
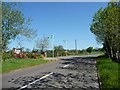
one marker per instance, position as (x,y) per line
(92,53)
(0,67)
(109,72)
(13,64)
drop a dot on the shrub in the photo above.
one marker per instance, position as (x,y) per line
(40,56)
(6,55)
(30,55)
(21,55)
(89,49)
(34,55)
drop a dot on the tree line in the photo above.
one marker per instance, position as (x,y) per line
(106,27)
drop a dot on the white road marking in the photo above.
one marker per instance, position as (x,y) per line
(40,78)
(36,80)
(66,65)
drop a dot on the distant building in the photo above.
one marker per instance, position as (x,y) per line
(17,52)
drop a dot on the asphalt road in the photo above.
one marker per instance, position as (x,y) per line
(67,72)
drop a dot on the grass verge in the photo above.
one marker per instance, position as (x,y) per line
(13,64)
(109,72)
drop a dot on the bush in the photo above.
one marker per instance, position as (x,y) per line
(49,53)
(89,49)
(30,55)
(34,55)
(21,55)
(40,56)
(6,55)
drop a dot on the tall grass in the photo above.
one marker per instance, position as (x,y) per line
(109,72)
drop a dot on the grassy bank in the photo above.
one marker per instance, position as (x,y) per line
(109,73)
(13,64)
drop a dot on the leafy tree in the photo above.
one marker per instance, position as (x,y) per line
(0,29)
(105,26)
(42,43)
(59,50)
(89,49)
(14,23)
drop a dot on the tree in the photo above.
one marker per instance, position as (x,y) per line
(0,30)
(105,26)
(14,23)
(58,50)
(42,43)
(89,49)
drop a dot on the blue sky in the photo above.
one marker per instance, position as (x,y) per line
(65,20)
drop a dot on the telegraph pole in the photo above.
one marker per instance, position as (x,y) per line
(76,47)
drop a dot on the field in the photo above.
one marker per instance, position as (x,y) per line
(109,73)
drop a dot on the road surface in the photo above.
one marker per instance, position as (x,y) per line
(68,72)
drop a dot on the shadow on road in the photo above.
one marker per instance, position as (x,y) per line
(80,63)
(85,78)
